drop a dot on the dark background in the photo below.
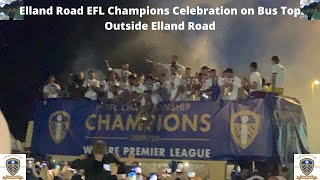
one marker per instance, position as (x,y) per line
(32,49)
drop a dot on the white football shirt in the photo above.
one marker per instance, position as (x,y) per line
(278,70)
(236,84)
(90,93)
(51,90)
(256,77)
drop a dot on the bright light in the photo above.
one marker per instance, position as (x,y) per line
(186,164)
(316,82)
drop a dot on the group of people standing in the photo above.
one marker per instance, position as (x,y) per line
(176,83)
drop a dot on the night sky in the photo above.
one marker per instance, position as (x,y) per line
(38,46)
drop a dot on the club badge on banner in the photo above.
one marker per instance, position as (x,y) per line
(181,130)
(197,130)
(13,166)
(306,166)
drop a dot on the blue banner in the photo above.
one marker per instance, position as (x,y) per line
(181,130)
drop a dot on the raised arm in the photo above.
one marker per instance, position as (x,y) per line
(167,66)
(109,68)
(79,164)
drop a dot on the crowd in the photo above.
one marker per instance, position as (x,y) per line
(176,83)
(102,166)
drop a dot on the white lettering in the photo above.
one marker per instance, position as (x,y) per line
(137,151)
(125,151)
(245,11)
(133,26)
(132,150)
(267,11)
(204,11)
(290,11)
(204,27)
(162,26)
(22,10)
(110,149)
(116,150)
(87,149)
(141,151)
(95,10)
(113,149)
(29,10)
(162,151)
(145,152)
(69,11)
(177,152)
(176,11)
(208,153)
(192,153)
(171,153)
(108,26)
(111,10)
(185,153)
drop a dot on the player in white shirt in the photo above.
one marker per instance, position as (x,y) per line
(151,91)
(206,84)
(231,86)
(277,78)
(141,87)
(178,89)
(164,87)
(174,61)
(134,91)
(123,73)
(52,89)
(255,83)
(111,80)
(188,81)
(114,93)
(93,86)
(204,79)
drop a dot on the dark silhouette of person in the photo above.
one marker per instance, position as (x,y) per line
(309,14)
(11,14)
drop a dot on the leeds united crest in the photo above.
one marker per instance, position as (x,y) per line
(59,123)
(13,166)
(244,126)
(306,166)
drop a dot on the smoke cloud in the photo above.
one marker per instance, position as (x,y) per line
(237,41)
(306,2)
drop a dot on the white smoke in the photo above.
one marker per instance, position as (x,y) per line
(86,61)
(241,39)
(307,2)
(3,16)
(237,41)
(3,2)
